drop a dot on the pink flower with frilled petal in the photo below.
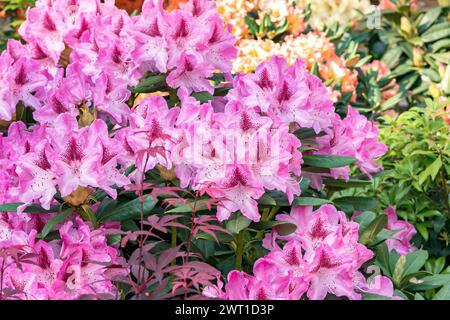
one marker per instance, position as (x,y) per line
(401,239)
(191,74)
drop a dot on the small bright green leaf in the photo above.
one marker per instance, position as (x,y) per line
(431,171)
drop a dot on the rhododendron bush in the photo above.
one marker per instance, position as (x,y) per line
(135,164)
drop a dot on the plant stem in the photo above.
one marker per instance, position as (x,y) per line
(446,191)
(239,249)
(267,216)
(174,242)
(2,271)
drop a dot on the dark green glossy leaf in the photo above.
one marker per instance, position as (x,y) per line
(128,210)
(54,221)
(12,207)
(369,234)
(350,204)
(327,161)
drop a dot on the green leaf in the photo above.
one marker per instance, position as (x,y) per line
(350,204)
(309,201)
(351,183)
(315,70)
(370,296)
(282,227)
(364,220)
(441,44)
(188,207)
(305,133)
(399,270)
(423,230)
(363,61)
(54,221)
(392,57)
(444,293)
(202,96)
(429,18)
(435,266)
(436,32)
(382,258)
(267,200)
(206,247)
(251,24)
(392,102)
(431,171)
(237,223)
(369,234)
(431,74)
(431,282)
(327,161)
(151,84)
(12,207)
(128,210)
(415,260)
(418,296)
(221,91)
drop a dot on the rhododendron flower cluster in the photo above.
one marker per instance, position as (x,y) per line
(44,160)
(79,264)
(312,47)
(353,136)
(321,257)
(105,51)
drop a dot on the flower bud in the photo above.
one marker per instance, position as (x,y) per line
(434,90)
(79,197)
(86,117)
(418,57)
(64,58)
(405,25)
(166,174)
(351,62)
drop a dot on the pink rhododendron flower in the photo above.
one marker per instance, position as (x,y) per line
(401,239)
(191,75)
